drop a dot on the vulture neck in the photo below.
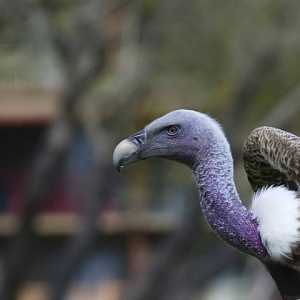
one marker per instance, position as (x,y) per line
(222,206)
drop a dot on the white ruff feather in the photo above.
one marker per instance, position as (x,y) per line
(277,212)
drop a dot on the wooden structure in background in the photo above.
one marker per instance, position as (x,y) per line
(31,108)
(27,105)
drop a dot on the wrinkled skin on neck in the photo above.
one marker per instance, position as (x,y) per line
(222,207)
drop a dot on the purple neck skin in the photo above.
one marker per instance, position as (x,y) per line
(222,208)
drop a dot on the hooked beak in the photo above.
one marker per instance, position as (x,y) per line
(128,150)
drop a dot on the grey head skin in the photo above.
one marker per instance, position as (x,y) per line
(198,141)
(181,135)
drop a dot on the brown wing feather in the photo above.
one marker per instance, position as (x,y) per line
(272,157)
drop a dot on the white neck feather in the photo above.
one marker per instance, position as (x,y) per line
(277,212)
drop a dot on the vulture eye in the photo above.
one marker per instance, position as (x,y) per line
(172,130)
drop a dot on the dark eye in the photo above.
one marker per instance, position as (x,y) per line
(172,130)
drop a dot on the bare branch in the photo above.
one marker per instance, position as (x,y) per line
(287,109)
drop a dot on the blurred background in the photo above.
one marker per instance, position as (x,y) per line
(76,77)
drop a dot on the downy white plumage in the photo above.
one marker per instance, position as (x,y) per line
(277,212)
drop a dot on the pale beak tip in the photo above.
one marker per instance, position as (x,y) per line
(124,154)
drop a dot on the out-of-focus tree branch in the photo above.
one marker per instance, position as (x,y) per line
(102,142)
(243,98)
(250,86)
(284,111)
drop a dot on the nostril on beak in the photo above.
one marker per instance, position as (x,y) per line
(139,138)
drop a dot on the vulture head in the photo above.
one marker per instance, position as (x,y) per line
(182,135)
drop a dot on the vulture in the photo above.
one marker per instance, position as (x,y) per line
(270,229)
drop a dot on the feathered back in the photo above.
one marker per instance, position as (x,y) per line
(272,157)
